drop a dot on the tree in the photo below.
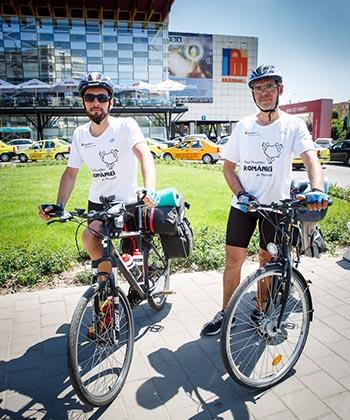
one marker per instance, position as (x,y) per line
(337,127)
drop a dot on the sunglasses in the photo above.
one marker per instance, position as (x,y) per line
(89,97)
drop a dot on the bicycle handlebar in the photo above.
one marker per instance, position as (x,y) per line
(112,210)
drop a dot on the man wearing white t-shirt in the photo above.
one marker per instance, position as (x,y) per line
(263,146)
(111,148)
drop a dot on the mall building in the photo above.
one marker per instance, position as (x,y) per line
(128,41)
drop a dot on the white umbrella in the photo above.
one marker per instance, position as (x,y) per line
(6,87)
(34,85)
(66,85)
(140,85)
(168,86)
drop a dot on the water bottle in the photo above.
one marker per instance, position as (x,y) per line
(138,258)
(131,265)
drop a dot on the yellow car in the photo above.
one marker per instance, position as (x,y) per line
(45,150)
(7,152)
(155,149)
(323,155)
(193,149)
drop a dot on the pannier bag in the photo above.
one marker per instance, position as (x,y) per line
(179,245)
(312,242)
(160,220)
(172,226)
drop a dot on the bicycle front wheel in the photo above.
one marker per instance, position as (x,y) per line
(256,353)
(99,352)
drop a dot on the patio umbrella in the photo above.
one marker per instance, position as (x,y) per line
(66,85)
(140,85)
(34,85)
(168,86)
(6,87)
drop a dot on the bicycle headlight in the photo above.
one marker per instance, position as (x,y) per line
(272,249)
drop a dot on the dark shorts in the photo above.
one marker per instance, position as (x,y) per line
(128,245)
(241,226)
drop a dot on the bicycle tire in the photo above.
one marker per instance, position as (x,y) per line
(158,277)
(254,355)
(95,364)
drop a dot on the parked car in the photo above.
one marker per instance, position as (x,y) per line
(323,155)
(223,141)
(195,148)
(45,150)
(155,149)
(7,152)
(325,142)
(21,143)
(164,142)
(340,152)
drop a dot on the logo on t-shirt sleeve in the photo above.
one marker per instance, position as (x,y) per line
(272,151)
(110,158)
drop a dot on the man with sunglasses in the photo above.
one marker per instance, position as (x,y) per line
(263,145)
(111,148)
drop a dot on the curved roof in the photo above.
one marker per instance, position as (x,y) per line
(136,10)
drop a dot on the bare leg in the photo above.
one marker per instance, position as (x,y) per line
(264,286)
(235,257)
(92,244)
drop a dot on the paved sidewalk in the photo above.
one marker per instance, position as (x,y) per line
(176,374)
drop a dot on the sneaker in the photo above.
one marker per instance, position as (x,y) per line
(213,327)
(256,317)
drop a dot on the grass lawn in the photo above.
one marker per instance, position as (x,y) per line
(23,188)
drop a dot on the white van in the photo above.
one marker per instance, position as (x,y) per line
(324,142)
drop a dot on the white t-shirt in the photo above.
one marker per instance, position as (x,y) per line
(265,154)
(109,157)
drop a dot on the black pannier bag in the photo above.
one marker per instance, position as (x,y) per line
(162,220)
(173,228)
(179,245)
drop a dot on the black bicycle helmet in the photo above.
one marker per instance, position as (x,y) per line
(265,71)
(91,80)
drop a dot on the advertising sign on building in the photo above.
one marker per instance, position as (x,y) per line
(234,65)
(191,63)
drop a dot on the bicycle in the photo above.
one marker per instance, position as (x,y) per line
(266,323)
(101,334)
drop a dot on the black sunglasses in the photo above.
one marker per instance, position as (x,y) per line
(89,97)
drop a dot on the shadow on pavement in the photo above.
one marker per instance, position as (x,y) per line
(37,384)
(205,385)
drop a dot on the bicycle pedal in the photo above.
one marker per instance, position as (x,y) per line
(165,292)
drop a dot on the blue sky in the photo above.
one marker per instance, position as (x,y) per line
(309,40)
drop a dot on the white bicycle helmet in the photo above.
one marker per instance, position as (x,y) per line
(263,71)
(95,80)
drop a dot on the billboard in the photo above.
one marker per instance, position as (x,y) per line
(191,63)
(234,65)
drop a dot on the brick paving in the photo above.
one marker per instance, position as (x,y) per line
(175,373)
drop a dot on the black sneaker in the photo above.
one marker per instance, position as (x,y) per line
(256,317)
(213,327)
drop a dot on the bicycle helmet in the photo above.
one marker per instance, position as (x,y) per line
(263,71)
(91,80)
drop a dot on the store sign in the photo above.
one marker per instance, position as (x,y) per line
(191,63)
(234,65)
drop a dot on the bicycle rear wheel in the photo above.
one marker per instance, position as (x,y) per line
(258,355)
(158,276)
(99,361)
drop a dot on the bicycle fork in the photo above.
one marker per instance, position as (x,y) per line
(286,279)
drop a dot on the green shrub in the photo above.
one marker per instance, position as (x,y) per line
(26,265)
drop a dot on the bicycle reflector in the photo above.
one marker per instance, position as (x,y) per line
(277,360)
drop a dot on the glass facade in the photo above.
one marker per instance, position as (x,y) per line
(52,49)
